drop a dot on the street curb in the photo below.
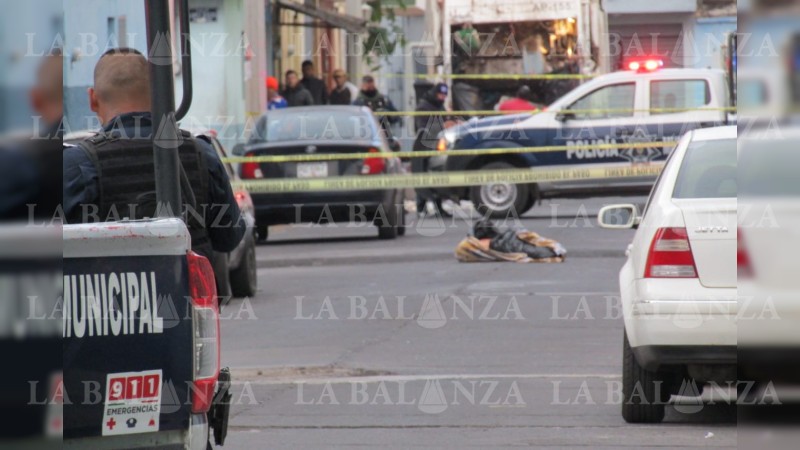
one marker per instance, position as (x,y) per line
(404,258)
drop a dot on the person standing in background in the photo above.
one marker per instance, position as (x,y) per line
(427,128)
(294,92)
(274,99)
(340,94)
(313,84)
(519,103)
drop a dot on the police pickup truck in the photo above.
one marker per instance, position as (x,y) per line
(141,338)
(141,332)
(642,105)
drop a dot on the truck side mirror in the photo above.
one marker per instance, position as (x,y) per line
(624,216)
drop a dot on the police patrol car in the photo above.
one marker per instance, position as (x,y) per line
(645,104)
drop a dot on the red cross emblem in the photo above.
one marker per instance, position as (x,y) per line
(111,422)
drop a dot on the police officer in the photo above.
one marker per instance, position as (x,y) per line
(373,99)
(427,128)
(110,176)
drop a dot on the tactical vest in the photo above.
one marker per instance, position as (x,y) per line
(127,184)
(376,103)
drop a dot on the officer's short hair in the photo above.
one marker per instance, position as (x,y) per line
(289,72)
(122,74)
(121,51)
(306,63)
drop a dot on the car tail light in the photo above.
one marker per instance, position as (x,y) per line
(670,255)
(743,267)
(205,325)
(242,199)
(251,170)
(373,166)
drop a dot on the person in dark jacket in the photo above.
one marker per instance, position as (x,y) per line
(373,99)
(313,84)
(294,93)
(121,99)
(340,94)
(30,174)
(427,128)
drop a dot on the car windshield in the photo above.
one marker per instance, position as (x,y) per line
(708,170)
(769,168)
(287,125)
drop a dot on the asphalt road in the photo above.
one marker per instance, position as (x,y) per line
(357,342)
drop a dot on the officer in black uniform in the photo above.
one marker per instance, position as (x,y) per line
(111,176)
(373,99)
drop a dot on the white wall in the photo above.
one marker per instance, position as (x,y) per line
(649,6)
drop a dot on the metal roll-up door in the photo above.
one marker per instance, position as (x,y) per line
(640,41)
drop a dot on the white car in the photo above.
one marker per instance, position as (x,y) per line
(678,286)
(768,322)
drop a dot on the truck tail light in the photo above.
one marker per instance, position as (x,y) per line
(670,255)
(205,324)
(373,166)
(251,170)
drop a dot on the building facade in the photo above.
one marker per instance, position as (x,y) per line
(683,33)
(229,59)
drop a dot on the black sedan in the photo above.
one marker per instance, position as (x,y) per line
(324,130)
(236,271)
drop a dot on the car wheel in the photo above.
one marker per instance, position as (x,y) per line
(244,280)
(500,200)
(388,223)
(642,390)
(262,233)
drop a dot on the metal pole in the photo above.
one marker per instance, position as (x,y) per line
(186,62)
(162,96)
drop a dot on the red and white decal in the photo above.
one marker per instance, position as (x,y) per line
(133,402)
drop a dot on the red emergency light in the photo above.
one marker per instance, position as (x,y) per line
(647,65)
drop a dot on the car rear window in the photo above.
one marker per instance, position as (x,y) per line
(708,170)
(286,125)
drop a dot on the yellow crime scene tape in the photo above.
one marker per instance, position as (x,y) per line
(484,76)
(479,76)
(539,111)
(445,179)
(431,153)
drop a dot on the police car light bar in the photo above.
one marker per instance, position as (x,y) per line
(647,65)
